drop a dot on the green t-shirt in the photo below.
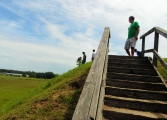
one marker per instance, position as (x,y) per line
(132,30)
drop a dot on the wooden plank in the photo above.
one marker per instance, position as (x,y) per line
(164,64)
(147,33)
(147,51)
(143,46)
(99,74)
(156,41)
(83,107)
(161,31)
(99,115)
(160,59)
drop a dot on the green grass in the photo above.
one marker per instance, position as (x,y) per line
(56,99)
(162,70)
(14,90)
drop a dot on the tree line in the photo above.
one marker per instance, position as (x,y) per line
(32,74)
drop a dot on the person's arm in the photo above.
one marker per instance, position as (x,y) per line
(138,30)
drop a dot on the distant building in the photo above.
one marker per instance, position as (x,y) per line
(12,74)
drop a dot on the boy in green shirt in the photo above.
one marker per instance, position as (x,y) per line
(133,32)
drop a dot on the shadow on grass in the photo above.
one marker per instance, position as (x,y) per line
(72,106)
(78,85)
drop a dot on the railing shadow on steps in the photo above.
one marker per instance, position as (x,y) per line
(158,31)
(89,106)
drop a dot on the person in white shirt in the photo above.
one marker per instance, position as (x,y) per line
(93,54)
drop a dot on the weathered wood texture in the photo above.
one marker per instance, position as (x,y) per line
(160,59)
(164,64)
(99,115)
(158,31)
(143,46)
(147,33)
(161,31)
(156,41)
(86,108)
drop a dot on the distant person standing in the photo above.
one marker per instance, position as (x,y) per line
(79,61)
(133,32)
(84,58)
(93,54)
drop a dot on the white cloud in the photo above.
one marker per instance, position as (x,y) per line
(14,24)
(57,31)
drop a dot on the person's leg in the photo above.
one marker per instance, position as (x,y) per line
(83,62)
(132,51)
(127,46)
(133,44)
(127,51)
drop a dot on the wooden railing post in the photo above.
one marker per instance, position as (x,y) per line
(158,31)
(143,46)
(156,41)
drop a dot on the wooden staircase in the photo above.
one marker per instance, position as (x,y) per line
(134,90)
(123,87)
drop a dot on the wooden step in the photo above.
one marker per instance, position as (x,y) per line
(138,94)
(138,71)
(132,77)
(129,61)
(133,65)
(134,90)
(135,105)
(136,85)
(112,113)
(127,57)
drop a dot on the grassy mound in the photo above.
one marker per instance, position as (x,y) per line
(162,70)
(56,100)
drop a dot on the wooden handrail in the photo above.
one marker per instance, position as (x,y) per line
(158,57)
(147,33)
(161,31)
(87,106)
(158,31)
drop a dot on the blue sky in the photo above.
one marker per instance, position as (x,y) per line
(49,35)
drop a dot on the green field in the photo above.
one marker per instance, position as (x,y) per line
(55,100)
(13,89)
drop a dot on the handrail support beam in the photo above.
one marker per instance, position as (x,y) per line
(143,46)
(156,41)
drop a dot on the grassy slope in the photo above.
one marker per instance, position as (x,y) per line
(57,102)
(162,70)
(13,89)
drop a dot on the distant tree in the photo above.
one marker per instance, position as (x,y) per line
(40,75)
(33,74)
(24,74)
(49,75)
